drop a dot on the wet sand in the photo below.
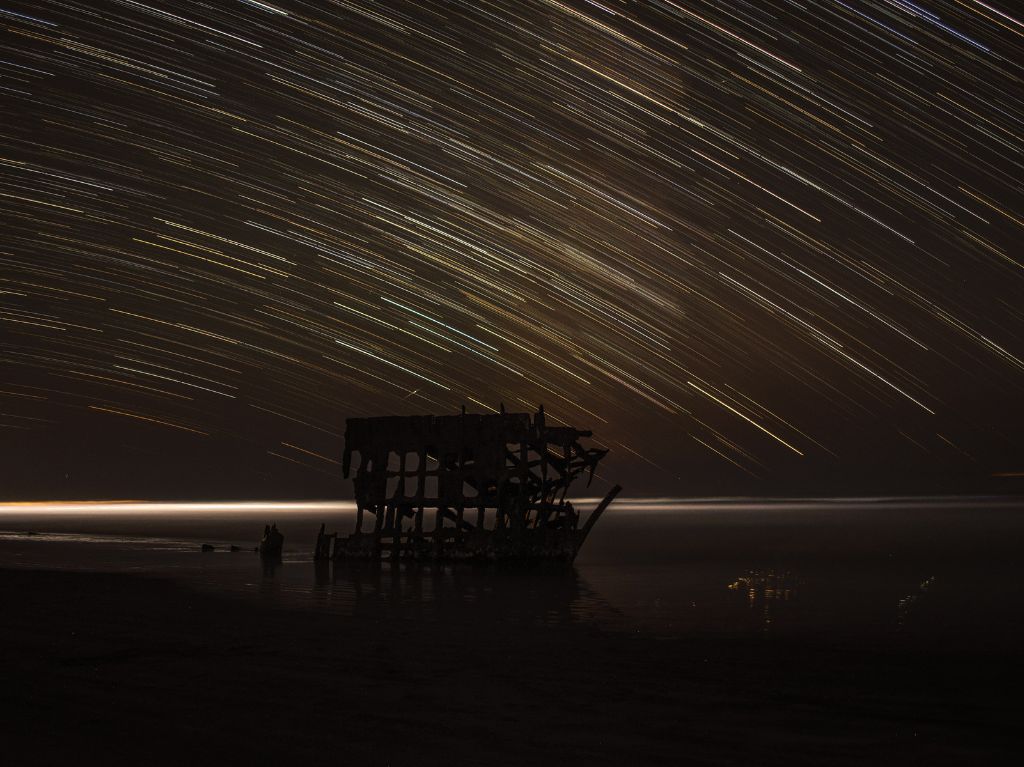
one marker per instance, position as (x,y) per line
(126,669)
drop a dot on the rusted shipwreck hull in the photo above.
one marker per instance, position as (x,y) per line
(489,488)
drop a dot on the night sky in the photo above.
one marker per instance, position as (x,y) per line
(767,247)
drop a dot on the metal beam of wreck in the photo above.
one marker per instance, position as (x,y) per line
(596,514)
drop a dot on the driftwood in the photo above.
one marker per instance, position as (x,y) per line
(492,488)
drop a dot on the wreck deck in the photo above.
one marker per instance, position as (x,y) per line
(494,487)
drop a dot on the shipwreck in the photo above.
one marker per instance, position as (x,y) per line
(487,488)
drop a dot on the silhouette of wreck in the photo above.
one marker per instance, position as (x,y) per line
(494,487)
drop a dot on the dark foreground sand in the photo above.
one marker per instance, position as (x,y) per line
(119,669)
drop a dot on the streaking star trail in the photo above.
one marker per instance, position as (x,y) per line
(761,247)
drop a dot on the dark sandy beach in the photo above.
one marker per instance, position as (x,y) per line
(123,669)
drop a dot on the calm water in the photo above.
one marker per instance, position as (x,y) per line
(920,570)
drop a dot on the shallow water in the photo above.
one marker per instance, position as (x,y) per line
(932,571)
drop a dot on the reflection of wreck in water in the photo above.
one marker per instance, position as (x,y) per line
(494,484)
(472,598)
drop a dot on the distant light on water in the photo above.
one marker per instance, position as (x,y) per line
(172,507)
(621,505)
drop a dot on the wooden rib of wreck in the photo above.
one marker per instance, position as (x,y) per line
(272,543)
(492,487)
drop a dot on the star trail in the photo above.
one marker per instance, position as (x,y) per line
(754,246)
